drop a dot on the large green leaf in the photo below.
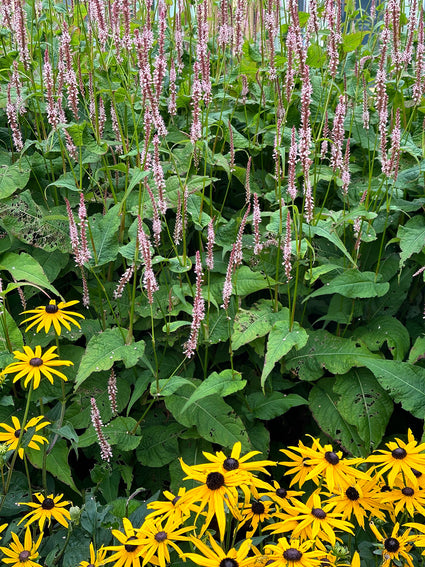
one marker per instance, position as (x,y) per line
(215,420)
(324,350)
(385,329)
(104,231)
(23,267)
(353,283)
(365,404)
(325,411)
(281,340)
(12,178)
(119,432)
(222,384)
(9,333)
(106,348)
(271,405)
(325,229)
(159,445)
(250,324)
(412,237)
(246,281)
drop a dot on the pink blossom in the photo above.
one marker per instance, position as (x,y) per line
(210,245)
(105,448)
(198,312)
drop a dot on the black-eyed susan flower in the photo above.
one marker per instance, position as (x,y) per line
(46,508)
(10,435)
(292,553)
(254,514)
(395,547)
(298,465)
(328,464)
(401,459)
(361,499)
(96,559)
(216,492)
(313,521)
(281,496)
(159,536)
(215,556)
(128,554)
(33,364)
(22,555)
(173,506)
(404,498)
(52,314)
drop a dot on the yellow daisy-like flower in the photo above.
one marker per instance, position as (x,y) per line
(54,314)
(173,506)
(255,514)
(96,559)
(157,538)
(22,555)
(46,508)
(401,458)
(216,491)
(11,434)
(281,496)
(128,554)
(405,498)
(215,556)
(33,364)
(291,553)
(298,464)
(396,547)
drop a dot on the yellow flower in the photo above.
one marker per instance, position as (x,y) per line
(157,538)
(217,491)
(33,364)
(54,314)
(96,559)
(45,509)
(172,506)
(215,556)
(11,435)
(404,498)
(401,458)
(291,553)
(298,465)
(129,552)
(255,514)
(281,496)
(395,547)
(19,555)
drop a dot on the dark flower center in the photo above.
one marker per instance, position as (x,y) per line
(258,508)
(407,491)
(292,554)
(18,432)
(128,546)
(391,544)
(48,504)
(52,308)
(332,457)
(228,562)
(175,500)
(230,464)
(319,513)
(417,474)
(160,536)
(24,556)
(215,480)
(399,453)
(36,362)
(352,493)
(281,492)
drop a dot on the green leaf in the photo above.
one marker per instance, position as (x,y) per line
(353,283)
(250,324)
(215,420)
(316,56)
(167,386)
(105,349)
(417,351)
(281,340)
(56,462)
(351,41)
(324,350)
(364,404)
(23,267)
(324,408)
(12,178)
(325,230)
(119,432)
(247,281)
(104,231)
(66,180)
(389,330)
(412,237)
(9,331)
(404,381)
(159,445)
(222,384)
(271,405)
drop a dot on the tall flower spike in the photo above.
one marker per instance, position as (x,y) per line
(149,280)
(105,448)
(198,313)
(84,253)
(113,391)
(12,117)
(256,219)
(125,278)
(287,250)
(292,162)
(210,245)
